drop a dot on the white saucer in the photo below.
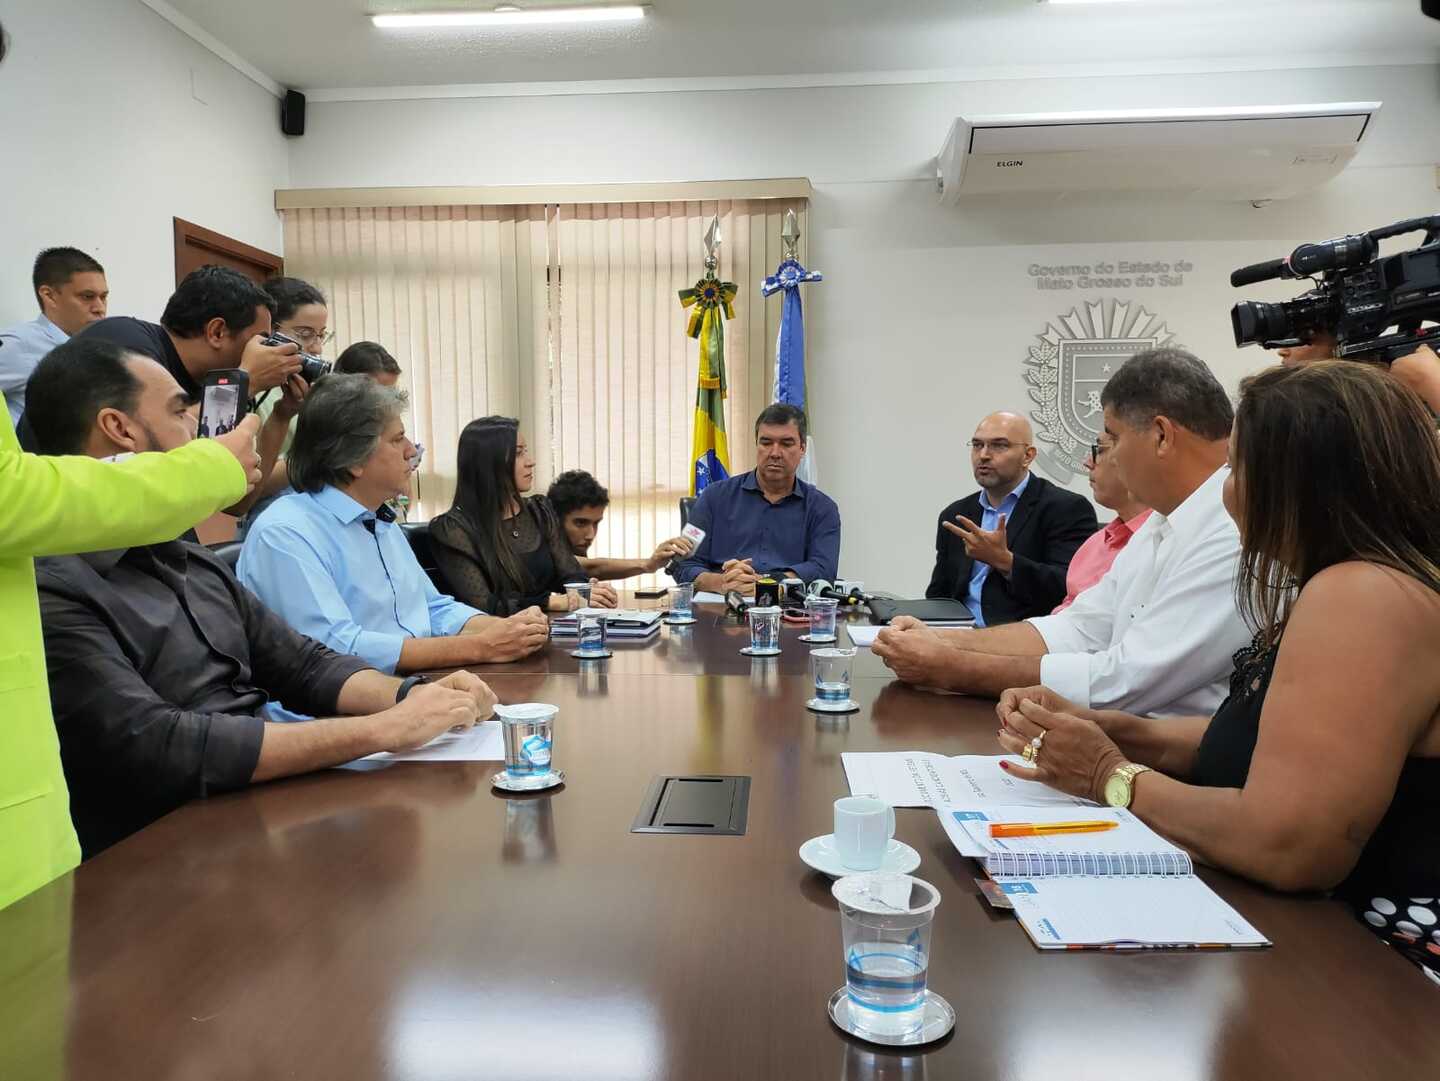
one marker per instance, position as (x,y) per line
(819,853)
(939,1019)
(760,652)
(679,622)
(819,641)
(509,784)
(847,706)
(590,656)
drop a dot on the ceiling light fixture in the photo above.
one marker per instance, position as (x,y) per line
(1088,1)
(509,15)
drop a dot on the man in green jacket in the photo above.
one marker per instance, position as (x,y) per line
(58,506)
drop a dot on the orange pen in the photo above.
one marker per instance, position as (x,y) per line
(1040,829)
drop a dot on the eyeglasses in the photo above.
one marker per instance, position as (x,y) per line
(1097,449)
(311,338)
(995,446)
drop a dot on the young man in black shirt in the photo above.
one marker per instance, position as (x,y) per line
(165,673)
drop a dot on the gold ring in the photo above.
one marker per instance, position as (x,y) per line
(1028,753)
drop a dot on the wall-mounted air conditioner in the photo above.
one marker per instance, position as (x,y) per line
(1270,152)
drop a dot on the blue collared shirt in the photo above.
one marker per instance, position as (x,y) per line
(990,520)
(313,559)
(801,532)
(21,348)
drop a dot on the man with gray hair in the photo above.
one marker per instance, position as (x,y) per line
(330,559)
(1157,633)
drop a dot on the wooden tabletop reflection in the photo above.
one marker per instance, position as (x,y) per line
(409,922)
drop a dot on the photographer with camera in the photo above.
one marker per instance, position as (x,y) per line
(216,319)
(1364,307)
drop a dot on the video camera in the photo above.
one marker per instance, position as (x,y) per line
(1358,298)
(311,366)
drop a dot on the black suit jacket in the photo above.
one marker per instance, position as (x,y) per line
(1048,526)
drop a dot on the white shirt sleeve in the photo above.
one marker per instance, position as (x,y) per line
(1175,656)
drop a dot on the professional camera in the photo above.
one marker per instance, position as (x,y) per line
(1359,295)
(311,366)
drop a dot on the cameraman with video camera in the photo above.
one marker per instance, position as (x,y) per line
(1359,297)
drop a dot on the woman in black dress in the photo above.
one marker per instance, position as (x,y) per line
(1321,771)
(503,553)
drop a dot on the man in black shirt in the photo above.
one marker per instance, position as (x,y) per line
(164,671)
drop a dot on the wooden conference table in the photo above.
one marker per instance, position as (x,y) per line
(408,922)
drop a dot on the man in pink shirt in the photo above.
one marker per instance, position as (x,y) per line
(1095,556)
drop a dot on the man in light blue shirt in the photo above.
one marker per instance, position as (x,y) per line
(332,561)
(72,293)
(990,521)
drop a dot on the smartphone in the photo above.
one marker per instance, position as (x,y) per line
(652,592)
(224,400)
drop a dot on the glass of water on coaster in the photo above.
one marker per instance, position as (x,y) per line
(578,594)
(885,925)
(830,668)
(529,731)
(764,631)
(590,635)
(822,619)
(681,598)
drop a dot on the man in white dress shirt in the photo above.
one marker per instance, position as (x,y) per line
(1156,635)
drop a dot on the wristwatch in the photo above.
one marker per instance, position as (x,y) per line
(408,685)
(1120,785)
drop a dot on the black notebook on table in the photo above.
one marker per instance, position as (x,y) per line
(942,610)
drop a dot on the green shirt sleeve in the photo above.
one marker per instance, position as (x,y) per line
(58,506)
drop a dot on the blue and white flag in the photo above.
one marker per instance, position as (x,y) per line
(790,344)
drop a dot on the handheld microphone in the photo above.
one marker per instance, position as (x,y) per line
(1261,272)
(817,588)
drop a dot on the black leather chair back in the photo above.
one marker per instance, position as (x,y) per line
(687,502)
(418,534)
(229,551)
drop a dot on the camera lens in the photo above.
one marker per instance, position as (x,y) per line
(1257,322)
(312,368)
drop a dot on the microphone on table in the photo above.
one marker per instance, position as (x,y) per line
(821,588)
(737,604)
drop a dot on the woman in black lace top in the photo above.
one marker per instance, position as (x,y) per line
(503,553)
(1321,771)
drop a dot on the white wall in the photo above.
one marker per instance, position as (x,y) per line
(102,142)
(926,315)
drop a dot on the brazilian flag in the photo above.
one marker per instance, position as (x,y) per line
(712,301)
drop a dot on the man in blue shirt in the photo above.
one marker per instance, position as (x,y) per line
(72,293)
(768,521)
(331,560)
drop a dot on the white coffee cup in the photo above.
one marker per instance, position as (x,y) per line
(863,828)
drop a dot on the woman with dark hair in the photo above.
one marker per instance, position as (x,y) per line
(1321,771)
(501,552)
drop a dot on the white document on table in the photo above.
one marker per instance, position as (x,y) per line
(482,743)
(922,779)
(862,635)
(707,598)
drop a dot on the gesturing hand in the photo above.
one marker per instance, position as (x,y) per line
(984,545)
(1075,756)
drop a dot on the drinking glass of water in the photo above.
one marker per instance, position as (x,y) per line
(822,618)
(590,634)
(830,668)
(529,729)
(681,597)
(885,923)
(578,594)
(765,629)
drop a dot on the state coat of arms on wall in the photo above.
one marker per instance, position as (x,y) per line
(1068,367)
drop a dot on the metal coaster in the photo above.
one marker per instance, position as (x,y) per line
(510,784)
(760,652)
(821,640)
(590,656)
(939,1020)
(847,706)
(679,622)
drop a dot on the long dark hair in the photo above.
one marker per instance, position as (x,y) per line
(485,491)
(1334,461)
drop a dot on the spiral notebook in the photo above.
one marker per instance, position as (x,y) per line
(1124,888)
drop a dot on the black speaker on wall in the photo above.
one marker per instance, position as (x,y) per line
(292,113)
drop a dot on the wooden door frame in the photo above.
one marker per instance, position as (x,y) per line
(188,234)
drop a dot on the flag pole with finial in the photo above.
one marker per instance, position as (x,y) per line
(790,341)
(711,302)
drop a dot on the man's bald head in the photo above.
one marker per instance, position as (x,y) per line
(1000,453)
